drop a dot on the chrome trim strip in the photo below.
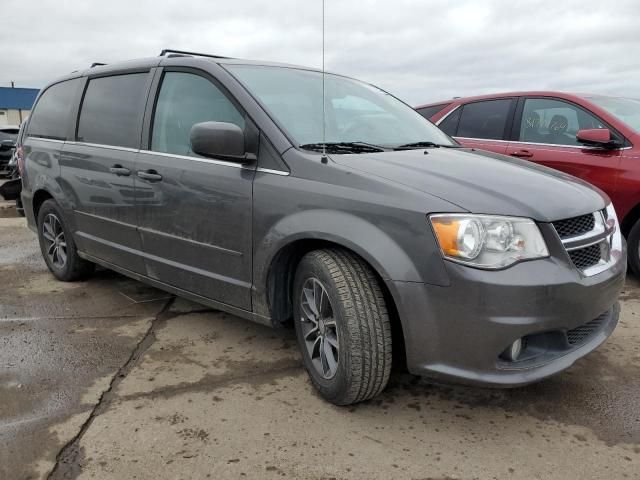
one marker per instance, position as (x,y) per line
(106,219)
(52,140)
(514,142)
(235,253)
(448,113)
(571,247)
(198,159)
(274,172)
(106,147)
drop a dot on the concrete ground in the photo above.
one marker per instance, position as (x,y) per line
(111,379)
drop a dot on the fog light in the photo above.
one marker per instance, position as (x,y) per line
(513,351)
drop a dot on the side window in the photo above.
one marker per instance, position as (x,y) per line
(184,100)
(50,117)
(554,121)
(111,112)
(450,124)
(487,119)
(428,112)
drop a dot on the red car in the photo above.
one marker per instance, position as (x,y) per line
(593,137)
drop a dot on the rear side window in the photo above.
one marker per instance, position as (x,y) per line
(184,100)
(111,112)
(50,117)
(428,112)
(487,119)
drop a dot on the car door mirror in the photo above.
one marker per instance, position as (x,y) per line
(597,137)
(220,140)
(8,144)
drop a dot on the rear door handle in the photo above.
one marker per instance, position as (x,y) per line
(150,175)
(522,154)
(120,170)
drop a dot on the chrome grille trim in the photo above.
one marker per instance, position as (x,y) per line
(580,248)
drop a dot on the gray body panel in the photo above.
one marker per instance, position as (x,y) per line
(216,232)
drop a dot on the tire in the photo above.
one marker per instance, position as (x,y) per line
(51,226)
(353,326)
(633,249)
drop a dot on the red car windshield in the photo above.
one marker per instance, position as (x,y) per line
(626,110)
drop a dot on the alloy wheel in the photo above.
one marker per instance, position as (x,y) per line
(54,240)
(319,328)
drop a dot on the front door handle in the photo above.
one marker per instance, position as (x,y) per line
(521,154)
(150,175)
(120,170)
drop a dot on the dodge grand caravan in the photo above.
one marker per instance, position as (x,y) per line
(232,183)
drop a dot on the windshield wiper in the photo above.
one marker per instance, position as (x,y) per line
(411,146)
(344,147)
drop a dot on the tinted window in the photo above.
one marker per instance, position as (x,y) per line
(428,112)
(554,121)
(112,109)
(486,119)
(184,100)
(450,124)
(50,117)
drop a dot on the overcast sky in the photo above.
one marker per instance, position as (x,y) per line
(419,50)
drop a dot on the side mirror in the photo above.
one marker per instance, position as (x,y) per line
(597,137)
(8,144)
(219,140)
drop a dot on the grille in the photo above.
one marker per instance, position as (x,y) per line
(575,226)
(586,257)
(582,333)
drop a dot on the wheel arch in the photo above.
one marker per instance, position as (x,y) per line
(39,197)
(629,220)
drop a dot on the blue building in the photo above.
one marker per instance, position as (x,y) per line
(16,104)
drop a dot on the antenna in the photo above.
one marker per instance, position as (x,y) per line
(324,123)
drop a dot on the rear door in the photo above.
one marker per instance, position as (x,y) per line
(545,132)
(194,213)
(483,124)
(98,172)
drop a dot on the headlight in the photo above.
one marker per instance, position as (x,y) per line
(488,241)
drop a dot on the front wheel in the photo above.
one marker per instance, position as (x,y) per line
(342,326)
(57,245)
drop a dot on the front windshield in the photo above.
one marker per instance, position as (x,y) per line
(354,111)
(626,110)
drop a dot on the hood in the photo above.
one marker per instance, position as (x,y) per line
(483,182)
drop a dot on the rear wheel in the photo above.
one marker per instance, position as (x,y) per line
(57,245)
(633,249)
(342,326)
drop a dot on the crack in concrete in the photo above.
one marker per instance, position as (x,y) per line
(67,465)
(213,382)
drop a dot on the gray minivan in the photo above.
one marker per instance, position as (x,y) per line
(281,194)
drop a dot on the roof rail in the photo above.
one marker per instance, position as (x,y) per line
(166,51)
(97,64)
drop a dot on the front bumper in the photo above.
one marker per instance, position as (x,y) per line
(459,332)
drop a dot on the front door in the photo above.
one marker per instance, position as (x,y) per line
(194,213)
(98,169)
(546,134)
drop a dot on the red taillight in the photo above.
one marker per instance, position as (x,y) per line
(20,157)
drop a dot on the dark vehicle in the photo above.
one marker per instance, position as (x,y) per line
(594,137)
(8,135)
(205,176)
(11,189)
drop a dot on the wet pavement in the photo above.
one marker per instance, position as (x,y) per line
(111,379)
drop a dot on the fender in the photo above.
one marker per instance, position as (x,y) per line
(381,251)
